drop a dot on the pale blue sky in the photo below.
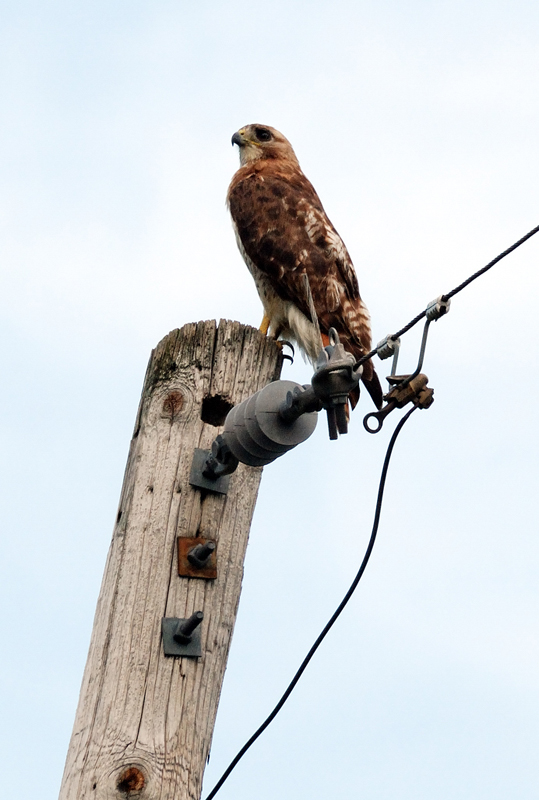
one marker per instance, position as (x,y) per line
(418,123)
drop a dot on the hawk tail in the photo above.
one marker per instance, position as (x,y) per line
(372,384)
(374,387)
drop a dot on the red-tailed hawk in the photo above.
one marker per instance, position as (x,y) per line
(283,233)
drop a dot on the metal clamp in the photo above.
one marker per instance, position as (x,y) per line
(334,378)
(389,347)
(406,389)
(437,308)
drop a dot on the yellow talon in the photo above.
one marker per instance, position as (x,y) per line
(264,325)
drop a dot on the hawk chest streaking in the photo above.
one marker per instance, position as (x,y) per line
(283,234)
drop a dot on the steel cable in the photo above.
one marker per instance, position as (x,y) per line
(453,292)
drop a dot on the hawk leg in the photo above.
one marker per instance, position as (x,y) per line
(264,325)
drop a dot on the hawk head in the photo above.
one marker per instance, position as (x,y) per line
(261,141)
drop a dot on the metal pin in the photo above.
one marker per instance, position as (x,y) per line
(184,631)
(332,423)
(340,418)
(200,555)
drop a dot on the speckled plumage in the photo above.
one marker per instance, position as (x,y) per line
(284,233)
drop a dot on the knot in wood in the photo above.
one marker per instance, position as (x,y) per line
(131,780)
(173,404)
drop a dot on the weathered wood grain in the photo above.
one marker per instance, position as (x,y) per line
(144,722)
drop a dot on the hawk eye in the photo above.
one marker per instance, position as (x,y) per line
(262,134)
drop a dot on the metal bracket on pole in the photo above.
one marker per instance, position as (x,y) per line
(181,637)
(202,478)
(197,557)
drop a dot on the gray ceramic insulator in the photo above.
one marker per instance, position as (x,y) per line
(240,444)
(256,433)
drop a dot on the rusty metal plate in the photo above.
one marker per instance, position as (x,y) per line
(188,570)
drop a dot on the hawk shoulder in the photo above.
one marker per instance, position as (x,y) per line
(284,230)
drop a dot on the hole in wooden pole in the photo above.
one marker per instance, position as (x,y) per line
(214,410)
(131,780)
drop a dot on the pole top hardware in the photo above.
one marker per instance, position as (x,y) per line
(406,389)
(279,417)
(387,347)
(437,308)
(410,388)
(256,434)
(333,380)
(390,346)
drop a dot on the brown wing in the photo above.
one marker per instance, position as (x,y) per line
(286,233)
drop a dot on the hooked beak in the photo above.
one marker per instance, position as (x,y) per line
(237,138)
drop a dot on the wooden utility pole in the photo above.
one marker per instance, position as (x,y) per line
(144,723)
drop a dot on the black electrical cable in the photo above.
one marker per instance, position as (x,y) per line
(479,272)
(333,619)
(372,539)
(453,292)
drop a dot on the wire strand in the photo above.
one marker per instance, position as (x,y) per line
(335,616)
(453,292)
(479,272)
